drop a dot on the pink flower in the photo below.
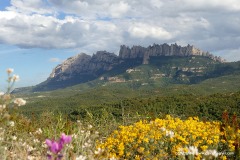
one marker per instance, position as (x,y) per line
(54,147)
(65,139)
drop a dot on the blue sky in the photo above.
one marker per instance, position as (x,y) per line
(37,35)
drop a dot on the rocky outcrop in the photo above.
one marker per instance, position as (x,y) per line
(72,65)
(83,63)
(162,50)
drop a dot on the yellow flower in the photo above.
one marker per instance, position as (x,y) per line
(140,150)
(166,138)
(204,147)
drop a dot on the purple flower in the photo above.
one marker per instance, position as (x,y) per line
(54,146)
(65,139)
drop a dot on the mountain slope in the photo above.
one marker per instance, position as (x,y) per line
(153,66)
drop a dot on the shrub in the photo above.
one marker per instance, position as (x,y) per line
(169,138)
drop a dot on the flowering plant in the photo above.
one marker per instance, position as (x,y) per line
(55,147)
(169,138)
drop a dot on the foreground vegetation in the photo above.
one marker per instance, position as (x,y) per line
(135,128)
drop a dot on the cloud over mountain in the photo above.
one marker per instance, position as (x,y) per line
(105,24)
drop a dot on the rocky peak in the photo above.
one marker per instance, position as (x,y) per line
(71,65)
(103,56)
(84,64)
(163,50)
(134,52)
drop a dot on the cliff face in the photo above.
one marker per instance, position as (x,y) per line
(72,65)
(84,64)
(162,50)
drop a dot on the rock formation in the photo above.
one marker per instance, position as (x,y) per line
(162,50)
(82,67)
(83,63)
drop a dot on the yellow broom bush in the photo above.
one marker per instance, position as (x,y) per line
(170,138)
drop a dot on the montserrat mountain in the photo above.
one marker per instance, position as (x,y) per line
(83,68)
(163,50)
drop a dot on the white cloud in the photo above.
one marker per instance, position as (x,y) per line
(230,5)
(141,30)
(119,9)
(54,60)
(29,6)
(92,25)
(230,55)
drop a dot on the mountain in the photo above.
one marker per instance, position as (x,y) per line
(139,66)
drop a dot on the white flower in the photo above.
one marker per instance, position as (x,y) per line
(39,131)
(11,123)
(96,132)
(36,141)
(1,93)
(3,106)
(9,70)
(113,158)
(82,131)
(81,157)
(98,151)
(74,136)
(181,152)
(192,150)
(90,126)
(170,134)
(31,157)
(14,138)
(19,101)
(15,77)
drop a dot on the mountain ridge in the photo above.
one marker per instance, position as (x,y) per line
(83,68)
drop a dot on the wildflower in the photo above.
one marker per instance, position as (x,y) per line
(14,138)
(1,93)
(113,158)
(81,157)
(98,151)
(90,126)
(9,70)
(36,141)
(11,123)
(15,77)
(170,134)
(192,150)
(65,139)
(39,131)
(74,136)
(82,131)
(2,107)
(56,147)
(19,101)
(182,151)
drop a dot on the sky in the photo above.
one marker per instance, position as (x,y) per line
(37,35)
